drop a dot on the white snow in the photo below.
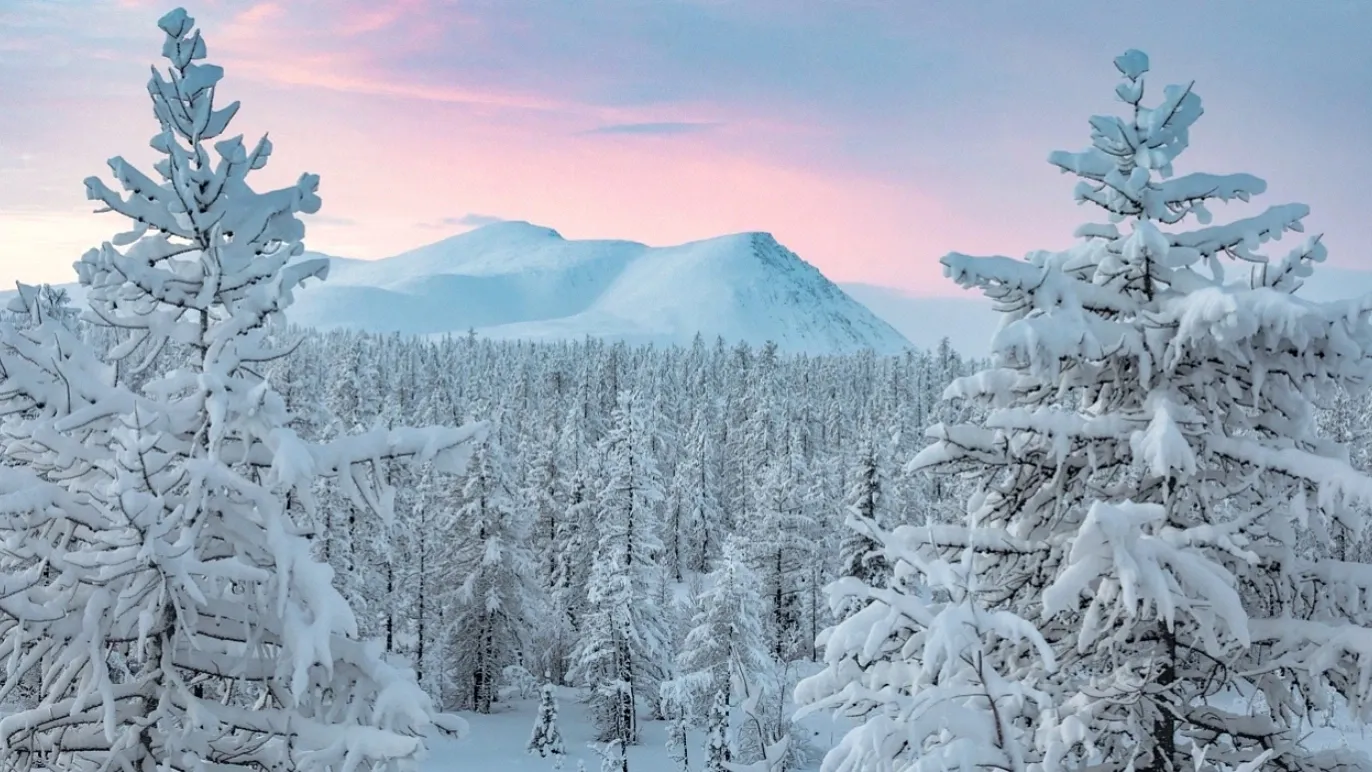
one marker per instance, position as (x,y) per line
(517,280)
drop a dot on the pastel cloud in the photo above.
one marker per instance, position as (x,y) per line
(469,220)
(870,137)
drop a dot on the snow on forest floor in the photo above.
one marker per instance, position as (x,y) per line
(497,741)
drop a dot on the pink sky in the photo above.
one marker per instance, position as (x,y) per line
(869,140)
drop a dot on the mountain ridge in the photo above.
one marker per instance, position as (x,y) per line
(514,279)
(523,281)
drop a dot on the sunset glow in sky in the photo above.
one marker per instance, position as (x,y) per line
(871,137)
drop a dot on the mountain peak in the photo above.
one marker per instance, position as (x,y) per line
(513,229)
(520,280)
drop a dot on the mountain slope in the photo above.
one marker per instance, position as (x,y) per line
(516,280)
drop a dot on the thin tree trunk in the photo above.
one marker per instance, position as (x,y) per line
(419,621)
(1165,727)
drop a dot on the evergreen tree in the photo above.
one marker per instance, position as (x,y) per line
(547,737)
(572,552)
(495,569)
(725,642)
(781,546)
(156,583)
(621,652)
(696,486)
(613,757)
(541,498)
(959,704)
(431,561)
(717,751)
(1153,498)
(677,749)
(860,555)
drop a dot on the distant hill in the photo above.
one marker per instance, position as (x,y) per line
(517,280)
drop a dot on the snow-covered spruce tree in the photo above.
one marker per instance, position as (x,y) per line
(966,701)
(541,497)
(765,732)
(34,303)
(781,547)
(546,739)
(1347,420)
(1153,494)
(725,644)
(153,526)
(695,487)
(676,524)
(495,574)
(717,750)
(677,749)
(566,598)
(726,655)
(429,579)
(860,555)
(621,653)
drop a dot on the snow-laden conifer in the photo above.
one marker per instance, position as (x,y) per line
(1152,493)
(677,749)
(725,645)
(781,549)
(959,703)
(546,739)
(541,497)
(696,484)
(860,555)
(572,559)
(494,575)
(717,750)
(621,654)
(157,581)
(613,757)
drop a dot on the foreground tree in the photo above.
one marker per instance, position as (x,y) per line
(1153,496)
(158,584)
(546,739)
(958,704)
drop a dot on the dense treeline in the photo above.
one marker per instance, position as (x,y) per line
(616,485)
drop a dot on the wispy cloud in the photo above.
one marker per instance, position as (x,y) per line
(654,127)
(468,220)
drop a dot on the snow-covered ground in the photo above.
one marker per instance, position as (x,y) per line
(497,741)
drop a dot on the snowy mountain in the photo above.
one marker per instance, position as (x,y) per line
(517,280)
(513,279)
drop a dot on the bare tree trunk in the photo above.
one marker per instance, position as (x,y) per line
(1165,726)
